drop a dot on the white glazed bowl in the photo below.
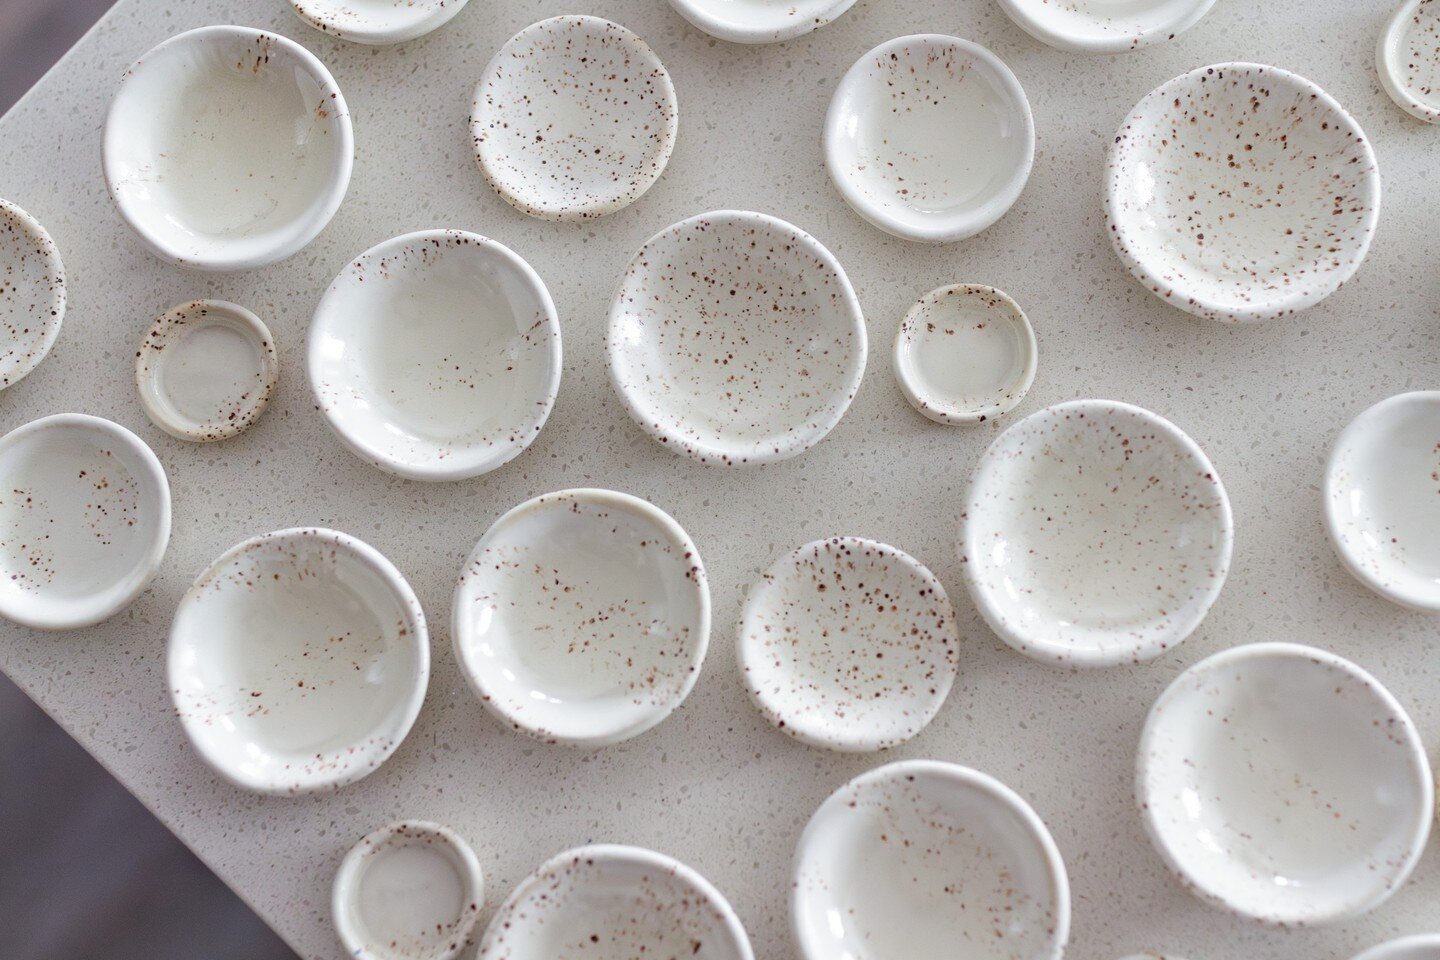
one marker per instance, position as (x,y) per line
(1284,784)
(436,355)
(1407,58)
(298,661)
(32,293)
(736,338)
(377,21)
(1422,947)
(759,21)
(1095,533)
(1240,192)
(928,861)
(227,148)
(1104,26)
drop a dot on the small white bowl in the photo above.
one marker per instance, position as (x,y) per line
(377,21)
(965,354)
(436,355)
(1240,192)
(409,891)
(848,644)
(1103,26)
(736,338)
(84,521)
(1408,59)
(575,118)
(1284,784)
(916,859)
(611,901)
(582,617)
(759,21)
(298,661)
(32,293)
(930,138)
(227,148)
(1425,946)
(1095,533)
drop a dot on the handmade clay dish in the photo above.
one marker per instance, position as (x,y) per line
(574,118)
(32,293)
(227,148)
(848,644)
(1422,947)
(1104,26)
(1095,533)
(1285,784)
(436,355)
(1408,58)
(582,617)
(84,521)
(736,338)
(1240,192)
(297,662)
(759,21)
(930,138)
(377,21)
(919,858)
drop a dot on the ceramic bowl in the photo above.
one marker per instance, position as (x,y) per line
(298,661)
(1240,192)
(582,617)
(1095,533)
(32,293)
(1285,784)
(84,521)
(848,644)
(575,118)
(736,338)
(1103,26)
(930,138)
(1408,58)
(965,354)
(227,148)
(377,21)
(759,21)
(1422,947)
(409,891)
(921,859)
(436,355)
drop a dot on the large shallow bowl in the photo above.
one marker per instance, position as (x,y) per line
(1104,26)
(32,293)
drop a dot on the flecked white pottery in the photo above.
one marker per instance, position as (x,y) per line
(848,644)
(928,861)
(760,21)
(1285,784)
(227,148)
(32,293)
(582,617)
(930,138)
(298,661)
(1421,947)
(84,521)
(1408,58)
(1240,192)
(1095,533)
(1104,26)
(377,21)
(436,355)
(736,338)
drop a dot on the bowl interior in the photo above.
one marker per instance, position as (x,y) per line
(1412,54)
(377,21)
(32,293)
(1111,25)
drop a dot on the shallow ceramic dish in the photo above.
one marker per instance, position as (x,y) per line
(575,118)
(32,293)
(436,355)
(1240,192)
(582,617)
(1104,26)
(1422,947)
(759,21)
(1285,784)
(1095,533)
(298,661)
(377,21)
(916,859)
(1408,58)
(84,521)
(227,148)
(930,138)
(848,644)
(736,338)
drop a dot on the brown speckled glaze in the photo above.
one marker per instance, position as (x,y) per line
(32,293)
(1407,58)
(377,21)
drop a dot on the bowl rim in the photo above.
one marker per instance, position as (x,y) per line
(703,18)
(1396,948)
(428,21)
(1040,26)
(1387,63)
(36,231)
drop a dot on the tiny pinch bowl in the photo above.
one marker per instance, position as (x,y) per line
(32,293)
(759,21)
(377,21)
(1103,26)
(1421,947)
(1407,58)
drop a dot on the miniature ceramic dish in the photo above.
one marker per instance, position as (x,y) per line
(298,661)
(1284,784)
(84,521)
(409,891)
(1095,533)
(1408,59)
(32,293)
(930,138)
(377,21)
(1239,192)
(918,859)
(575,118)
(1104,26)
(1422,947)
(848,644)
(436,355)
(582,617)
(965,354)
(227,148)
(736,338)
(759,21)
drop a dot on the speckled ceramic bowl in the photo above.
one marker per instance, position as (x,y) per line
(1240,192)
(922,859)
(1407,58)
(298,661)
(574,118)
(1104,26)
(377,21)
(848,644)
(1422,947)
(736,338)
(1285,784)
(1095,533)
(759,21)
(32,293)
